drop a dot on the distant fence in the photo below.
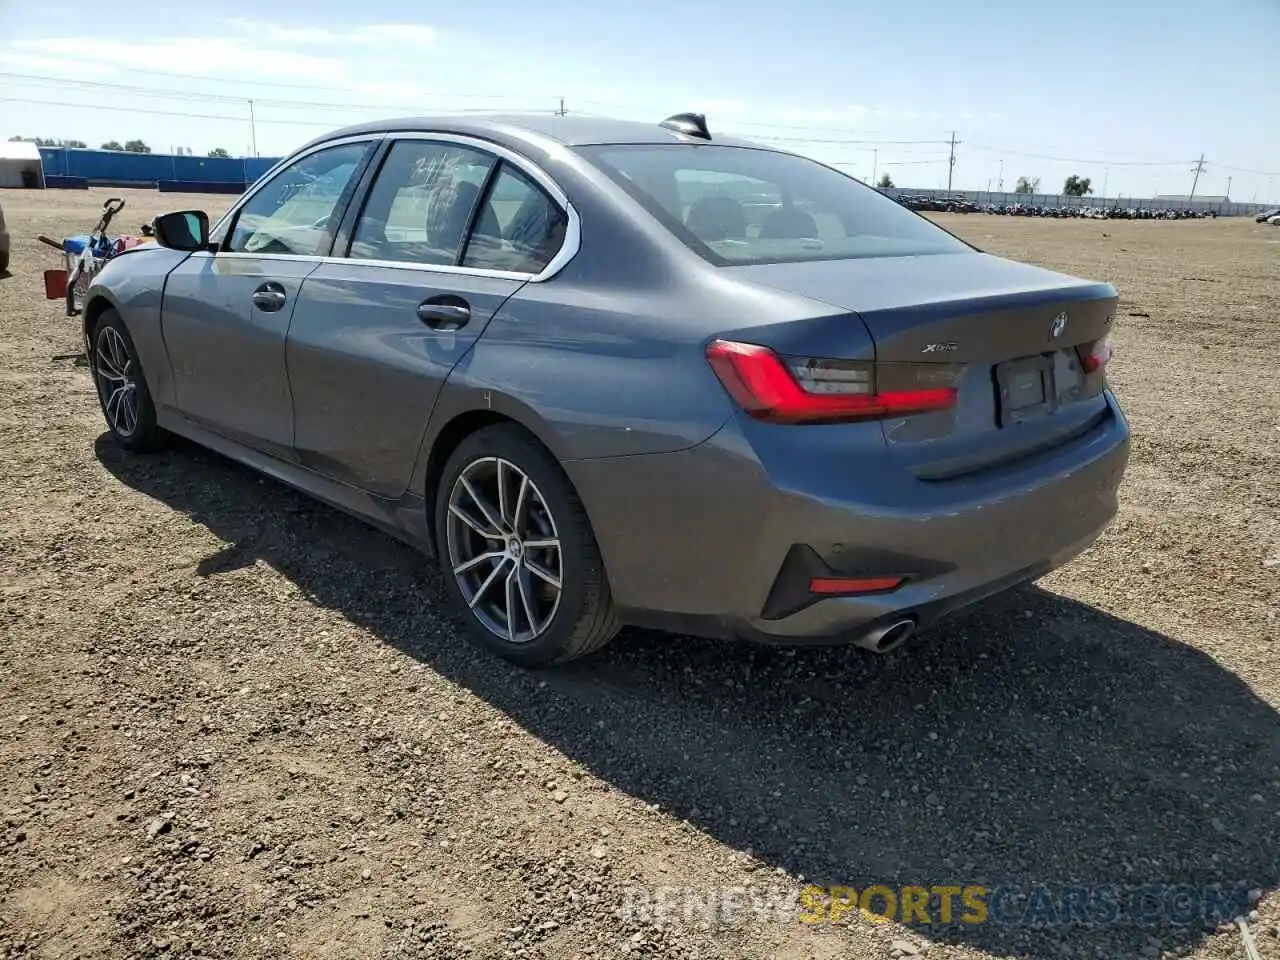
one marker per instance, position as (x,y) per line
(70,167)
(1061,201)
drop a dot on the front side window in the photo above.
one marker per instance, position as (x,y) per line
(422,202)
(293,211)
(739,205)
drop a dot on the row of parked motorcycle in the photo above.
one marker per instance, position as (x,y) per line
(965,205)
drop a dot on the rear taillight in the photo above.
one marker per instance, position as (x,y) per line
(769,387)
(1096,355)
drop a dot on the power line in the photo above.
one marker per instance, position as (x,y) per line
(158,113)
(193,95)
(223,98)
(881,143)
(1114,163)
(181,113)
(284,85)
(1261,173)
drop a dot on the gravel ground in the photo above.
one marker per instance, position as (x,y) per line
(234,723)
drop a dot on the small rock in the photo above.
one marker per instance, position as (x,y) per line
(1255,895)
(366,873)
(904,948)
(559,796)
(157,827)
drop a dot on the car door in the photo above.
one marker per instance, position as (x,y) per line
(448,231)
(226,311)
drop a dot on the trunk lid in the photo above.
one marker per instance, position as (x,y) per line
(1006,334)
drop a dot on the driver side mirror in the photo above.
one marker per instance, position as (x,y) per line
(185,230)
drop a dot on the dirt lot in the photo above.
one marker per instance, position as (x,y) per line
(234,723)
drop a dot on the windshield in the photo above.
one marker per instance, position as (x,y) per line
(738,205)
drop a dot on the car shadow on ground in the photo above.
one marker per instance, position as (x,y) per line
(1037,741)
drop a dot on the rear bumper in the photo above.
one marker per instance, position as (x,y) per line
(697,540)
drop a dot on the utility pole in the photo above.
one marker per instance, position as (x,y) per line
(1197,169)
(253,129)
(951,164)
(1000,185)
(875,164)
(561,112)
(1106,175)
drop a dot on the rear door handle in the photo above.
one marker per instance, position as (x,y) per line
(269,297)
(444,313)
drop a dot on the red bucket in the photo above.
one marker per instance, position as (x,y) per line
(55,284)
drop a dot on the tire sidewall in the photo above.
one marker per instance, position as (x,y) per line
(510,444)
(146,434)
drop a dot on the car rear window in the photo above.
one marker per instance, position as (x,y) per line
(737,205)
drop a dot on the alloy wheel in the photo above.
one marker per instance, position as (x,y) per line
(504,549)
(116,373)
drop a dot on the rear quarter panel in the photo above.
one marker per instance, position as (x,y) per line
(133,284)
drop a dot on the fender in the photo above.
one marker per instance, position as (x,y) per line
(133,285)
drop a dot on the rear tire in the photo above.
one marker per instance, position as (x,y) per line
(503,500)
(4,261)
(121,386)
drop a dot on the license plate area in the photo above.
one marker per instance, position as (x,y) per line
(1025,390)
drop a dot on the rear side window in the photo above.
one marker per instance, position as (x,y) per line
(531,227)
(422,204)
(740,205)
(444,204)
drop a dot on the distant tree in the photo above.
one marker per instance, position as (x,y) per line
(1027,185)
(47,141)
(112,145)
(1075,187)
(219,152)
(136,146)
(885,182)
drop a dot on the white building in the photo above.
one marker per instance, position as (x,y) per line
(20,165)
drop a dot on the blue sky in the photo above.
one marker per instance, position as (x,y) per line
(1106,85)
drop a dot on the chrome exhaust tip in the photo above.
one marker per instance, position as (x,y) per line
(883,639)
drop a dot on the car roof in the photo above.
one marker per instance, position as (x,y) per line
(528,129)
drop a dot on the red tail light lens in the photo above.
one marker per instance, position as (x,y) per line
(1097,356)
(812,390)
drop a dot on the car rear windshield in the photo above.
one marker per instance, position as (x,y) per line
(740,205)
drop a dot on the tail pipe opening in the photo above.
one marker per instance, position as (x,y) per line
(886,638)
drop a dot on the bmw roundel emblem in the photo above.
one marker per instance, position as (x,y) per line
(1059,326)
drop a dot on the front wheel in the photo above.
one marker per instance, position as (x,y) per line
(122,389)
(518,555)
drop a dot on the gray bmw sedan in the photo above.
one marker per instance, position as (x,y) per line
(614,373)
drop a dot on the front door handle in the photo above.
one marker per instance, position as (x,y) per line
(269,297)
(444,313)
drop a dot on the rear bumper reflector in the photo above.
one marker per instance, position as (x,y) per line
(839,586)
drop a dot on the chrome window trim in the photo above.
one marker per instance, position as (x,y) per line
(266,178)
(356,261)
(568,248)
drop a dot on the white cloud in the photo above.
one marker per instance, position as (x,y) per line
(367,35)
(228,56)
